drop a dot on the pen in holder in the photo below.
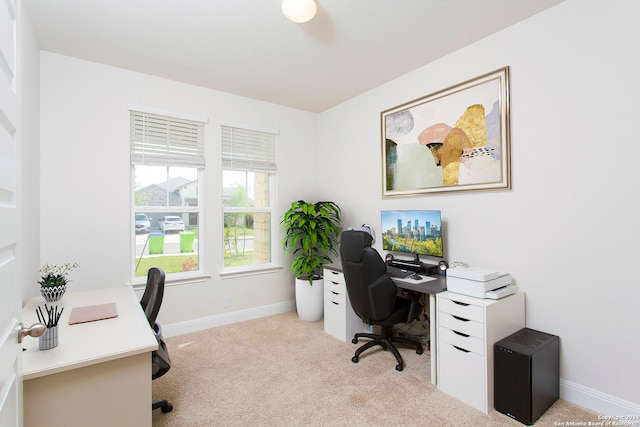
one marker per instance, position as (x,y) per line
(50,338)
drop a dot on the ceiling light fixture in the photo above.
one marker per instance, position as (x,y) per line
(299,11)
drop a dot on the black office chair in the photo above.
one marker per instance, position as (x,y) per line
(151,302)
(373,295)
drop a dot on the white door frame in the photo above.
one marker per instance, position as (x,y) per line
(11,300)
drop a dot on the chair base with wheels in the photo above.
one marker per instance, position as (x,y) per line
(385,340)
(163,405)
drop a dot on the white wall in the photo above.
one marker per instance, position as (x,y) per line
(85,179)
(568,230)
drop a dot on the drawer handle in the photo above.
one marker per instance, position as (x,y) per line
(460,303)
(335,272)
(335,283)
(335,303)
(462,319)
(335,293)
(461,349)
(461,334)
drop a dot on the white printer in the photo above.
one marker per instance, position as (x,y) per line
(480,282)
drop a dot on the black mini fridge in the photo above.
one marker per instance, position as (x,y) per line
(526,374)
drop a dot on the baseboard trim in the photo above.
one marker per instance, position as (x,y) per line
(595,400)
(179,328)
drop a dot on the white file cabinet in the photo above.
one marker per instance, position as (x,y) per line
(339,318)
(467,329)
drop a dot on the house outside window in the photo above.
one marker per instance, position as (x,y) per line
(167,161)
(248,198)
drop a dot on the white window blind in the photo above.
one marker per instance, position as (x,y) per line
(158,140)
(248,150)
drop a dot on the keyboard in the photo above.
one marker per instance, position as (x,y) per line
(398,272)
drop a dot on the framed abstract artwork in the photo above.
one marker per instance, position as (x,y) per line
(456,139)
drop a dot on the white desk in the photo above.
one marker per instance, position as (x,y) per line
(100,372)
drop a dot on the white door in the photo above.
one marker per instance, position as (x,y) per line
(11,298)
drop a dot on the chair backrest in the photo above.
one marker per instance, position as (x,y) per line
(153,293)
(371,291)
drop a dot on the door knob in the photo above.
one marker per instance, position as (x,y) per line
(35,330)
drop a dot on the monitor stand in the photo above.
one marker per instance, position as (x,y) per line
(416,265)
(407,264)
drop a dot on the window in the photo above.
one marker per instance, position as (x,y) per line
(167,161)
(248,182)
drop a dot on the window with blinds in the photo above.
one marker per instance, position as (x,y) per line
(248,150)
(248,181)
(165,141)
(167,161)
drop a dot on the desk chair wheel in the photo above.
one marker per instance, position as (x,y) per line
(399,367)
(163,405)
(355,359)
(419,351)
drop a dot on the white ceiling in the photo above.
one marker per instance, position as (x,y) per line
(248,47)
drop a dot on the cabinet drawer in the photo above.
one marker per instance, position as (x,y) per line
(333,276)
(336,287)
(460,324)
(465,341)
(335,318)
(461,309)
(335,297)
(462,375)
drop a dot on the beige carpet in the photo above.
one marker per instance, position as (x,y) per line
(280,371)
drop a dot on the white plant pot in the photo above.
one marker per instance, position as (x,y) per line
(310,299)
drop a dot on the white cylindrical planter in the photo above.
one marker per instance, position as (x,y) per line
(310,299)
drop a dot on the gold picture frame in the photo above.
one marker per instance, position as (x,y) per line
(457,139)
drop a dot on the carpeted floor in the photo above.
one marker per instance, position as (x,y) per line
(280,371)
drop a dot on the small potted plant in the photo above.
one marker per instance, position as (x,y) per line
(53,280)
(311,232)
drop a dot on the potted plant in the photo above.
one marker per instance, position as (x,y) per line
(311,234)
(53,280)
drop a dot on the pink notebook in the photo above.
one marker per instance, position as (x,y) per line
(92,313)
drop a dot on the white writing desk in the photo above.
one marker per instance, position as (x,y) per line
(100,372)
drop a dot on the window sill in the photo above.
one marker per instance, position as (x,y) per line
(227,274)
(141,282)
(176,281)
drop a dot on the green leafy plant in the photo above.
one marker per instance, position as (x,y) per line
(311,232)
(55,275)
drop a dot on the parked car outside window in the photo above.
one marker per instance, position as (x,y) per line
(171,223)
(143,225)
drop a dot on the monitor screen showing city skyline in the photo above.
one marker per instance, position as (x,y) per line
(416,232)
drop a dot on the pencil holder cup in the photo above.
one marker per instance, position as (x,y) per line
(49,339)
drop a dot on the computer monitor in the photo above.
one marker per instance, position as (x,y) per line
(417,232)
